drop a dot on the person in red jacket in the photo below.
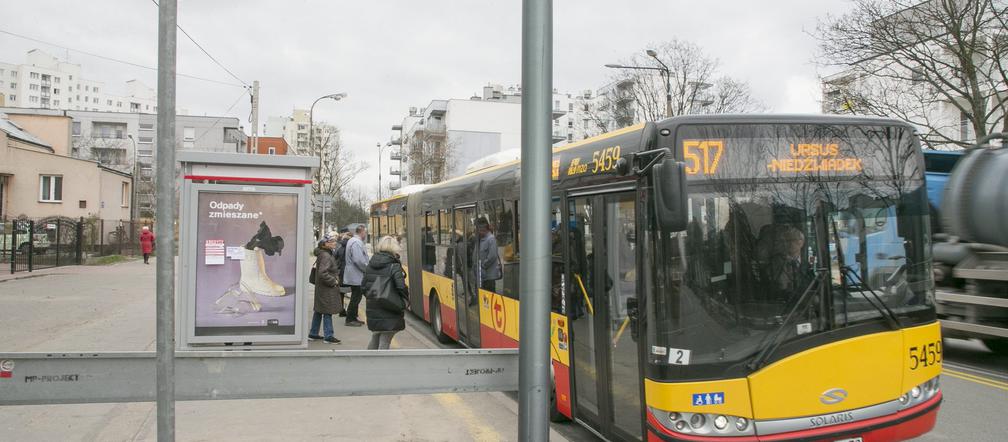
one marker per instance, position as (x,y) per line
(146,243)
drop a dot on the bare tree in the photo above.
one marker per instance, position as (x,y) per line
(430,158)
(114,153)
(337,169)
(941,65)
(696,86)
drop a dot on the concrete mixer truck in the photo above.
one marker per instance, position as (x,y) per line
(968,191)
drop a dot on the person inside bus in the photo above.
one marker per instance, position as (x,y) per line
(429,250)
(489,267)
(783,263)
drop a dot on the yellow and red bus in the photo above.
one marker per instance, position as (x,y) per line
(732,278)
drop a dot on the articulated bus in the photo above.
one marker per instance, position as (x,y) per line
(700,288)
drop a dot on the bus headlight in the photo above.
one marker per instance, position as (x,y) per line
(919,393)
(720,422)
(703,423)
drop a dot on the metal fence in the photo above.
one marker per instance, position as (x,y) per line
(28,244)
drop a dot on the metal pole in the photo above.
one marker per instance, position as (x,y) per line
(534,383)
(255,116)
(133,194)
(165,233)
(379,172)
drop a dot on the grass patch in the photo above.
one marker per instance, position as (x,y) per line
(107,260)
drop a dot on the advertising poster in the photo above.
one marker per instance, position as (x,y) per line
(246,263)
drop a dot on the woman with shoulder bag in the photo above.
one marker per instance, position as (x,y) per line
(327,295)
(384,285)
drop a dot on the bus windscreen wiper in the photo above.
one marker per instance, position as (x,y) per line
(882,307)
(775,340)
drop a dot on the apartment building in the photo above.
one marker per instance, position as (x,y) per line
(45,82)
(126,142)
(439,141)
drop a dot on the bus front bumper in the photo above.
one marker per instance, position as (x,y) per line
(902,425)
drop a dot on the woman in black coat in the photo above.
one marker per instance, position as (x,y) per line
(382,322)
(328,301)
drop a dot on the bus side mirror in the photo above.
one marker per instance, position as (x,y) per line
(670,195)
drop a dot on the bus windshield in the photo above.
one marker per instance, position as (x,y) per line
(751,250)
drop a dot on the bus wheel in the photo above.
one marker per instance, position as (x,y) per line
(555,414)
(436,325)
(999,346)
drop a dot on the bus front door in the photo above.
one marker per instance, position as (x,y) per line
(602,297)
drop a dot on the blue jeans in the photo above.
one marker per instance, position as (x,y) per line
(325,319)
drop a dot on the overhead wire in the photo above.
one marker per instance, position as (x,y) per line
(116,60)
(214,124)
(193,40)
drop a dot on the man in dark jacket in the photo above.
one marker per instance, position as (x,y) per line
(328,300)
(384,322)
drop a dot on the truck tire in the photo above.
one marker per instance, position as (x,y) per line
(996,345)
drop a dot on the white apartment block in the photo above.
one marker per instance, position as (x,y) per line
(453,133)
(45,82)
(294,129)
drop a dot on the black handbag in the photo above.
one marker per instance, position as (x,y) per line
(384,295)
(311,276)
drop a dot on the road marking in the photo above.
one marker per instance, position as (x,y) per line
(477,428)
(976,371)
(453,403)
(976,379)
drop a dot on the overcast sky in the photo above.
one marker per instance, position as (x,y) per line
(390,55)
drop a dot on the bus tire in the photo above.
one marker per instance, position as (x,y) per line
(437,326)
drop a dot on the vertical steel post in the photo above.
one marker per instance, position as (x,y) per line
(165,233)
(535,268)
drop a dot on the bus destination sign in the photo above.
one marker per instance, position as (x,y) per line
(738,157)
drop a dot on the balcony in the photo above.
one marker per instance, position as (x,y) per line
(431,127)
(438,108)
(559,134)
(395,156)
(558,112)
(394,172)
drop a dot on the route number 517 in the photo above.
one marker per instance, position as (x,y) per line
(702,156)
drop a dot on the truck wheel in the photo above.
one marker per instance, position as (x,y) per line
(999,346)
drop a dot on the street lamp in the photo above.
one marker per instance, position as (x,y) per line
(668,81)
(666,74)
(380,148)
(311,143)
(133,184)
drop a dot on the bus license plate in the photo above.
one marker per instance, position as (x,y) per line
(853,439)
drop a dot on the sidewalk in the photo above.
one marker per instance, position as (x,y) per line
(111,308)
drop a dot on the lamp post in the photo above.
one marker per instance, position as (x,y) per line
(311,142)
(666,74)
(133,207)
(668,81)
(380,149)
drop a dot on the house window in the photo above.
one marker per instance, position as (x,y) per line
(55,91)
(13,85)
(56,80)
(189,137)
(87,88)
(570,123)
(964,126)
(33,87)
(76,128)
(34,75)
(570,137)
(95,90)
(586,107)
(570,107)
(13,97)
(109,102)
(125,194)
(272,151)
(50,188)
(82,204)
(13,74)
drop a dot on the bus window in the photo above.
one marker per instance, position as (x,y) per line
(488,223)
(445,254)
(400,234)
(429,242)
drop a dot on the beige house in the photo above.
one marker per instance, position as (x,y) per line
(38,179)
